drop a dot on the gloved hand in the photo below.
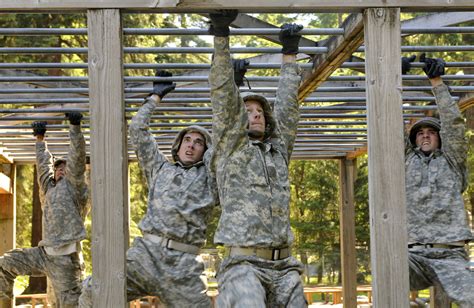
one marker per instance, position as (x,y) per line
(240,68)
(39,128)
(74,117)
(406,63)
(290,38)
(433,67)
(161,88)
(221,21)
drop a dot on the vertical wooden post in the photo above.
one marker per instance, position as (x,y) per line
(439,298)
(109,180)
(388,233)
(347,232)
(7,215)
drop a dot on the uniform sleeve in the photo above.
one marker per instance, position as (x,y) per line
(76,163)
(229,118)
(146,148)
(286,104)
(44,165)
(452,133)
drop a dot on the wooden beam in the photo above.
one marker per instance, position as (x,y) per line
(388,231)
(356,153)
(4,158)
(339,49)
(109,159)
(347,232)
(466,102)
(7,224)
(246,6)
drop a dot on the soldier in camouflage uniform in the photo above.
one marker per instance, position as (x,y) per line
(252,149)
(165,262)
(65,205)
(436,176)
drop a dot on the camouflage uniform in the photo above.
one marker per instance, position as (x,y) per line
(65,204)
(180,201)
(252,179)
(436,213)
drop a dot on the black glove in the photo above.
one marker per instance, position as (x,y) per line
(433,67)
(406,64)
(240,68)
(39,128)
(74,117)
(161,88)
(290,38)
(221,21)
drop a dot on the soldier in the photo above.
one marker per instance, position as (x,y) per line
(252,149)
(65,196)
(436,151)
(165,262)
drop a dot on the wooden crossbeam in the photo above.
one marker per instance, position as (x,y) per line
(340,48)
(254,6)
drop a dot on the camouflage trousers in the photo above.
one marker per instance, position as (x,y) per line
(175,277)
(64,272)
(247,281)
(447,268)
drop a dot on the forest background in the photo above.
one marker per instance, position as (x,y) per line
(314,184)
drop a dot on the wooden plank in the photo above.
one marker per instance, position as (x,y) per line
(7,224)
(254,6)
(347,232)
(4,158)
(109,159)
(339,49)
(5,184)
(388,233)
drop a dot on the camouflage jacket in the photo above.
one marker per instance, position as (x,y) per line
(180,199)
(64,203)
(252,176)
(434,184)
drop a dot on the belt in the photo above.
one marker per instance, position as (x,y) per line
(452,245)
(172,244)
(264,253)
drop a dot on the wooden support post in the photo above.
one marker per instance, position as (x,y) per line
(388,231)
(438,298)
(7,216)
(109,180)
(347,231)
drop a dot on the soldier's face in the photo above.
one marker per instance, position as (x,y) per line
(256,119)
(59,172)
(427,139)
(192,148)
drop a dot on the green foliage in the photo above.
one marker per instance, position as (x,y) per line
(24,204)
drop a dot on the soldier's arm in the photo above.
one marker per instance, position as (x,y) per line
(76,162)
(229,118)
(286,103)
(44,165)
(142,139)
(453,127)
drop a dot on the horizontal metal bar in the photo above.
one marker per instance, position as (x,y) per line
(205,78)
(429,48)
(233,31)
(157,50)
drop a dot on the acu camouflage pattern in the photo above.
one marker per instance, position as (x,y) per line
(254,190)
(175,277)
(65,203)
(253,282)
(435,207)
(434,184)
(252,176)
(447,268)
(180,199)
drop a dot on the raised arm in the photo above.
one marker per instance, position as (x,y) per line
(44,159)
(286,104)
(146,148)
(229,118)
(76,159)
(453,126)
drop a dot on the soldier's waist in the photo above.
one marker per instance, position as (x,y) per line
(448,245)
(272,254)
(172,244)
